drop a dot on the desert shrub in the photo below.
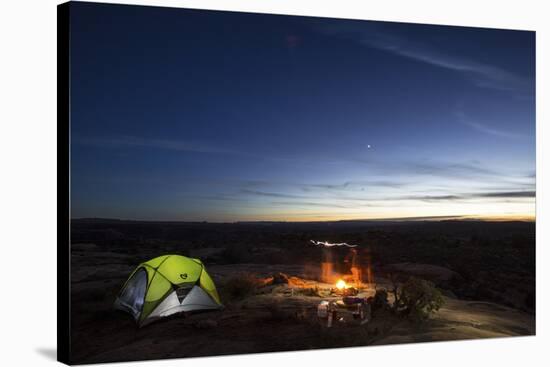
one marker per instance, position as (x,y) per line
(418,299)
(240,286)
(380,300)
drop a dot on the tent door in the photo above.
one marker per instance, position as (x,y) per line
(132,297)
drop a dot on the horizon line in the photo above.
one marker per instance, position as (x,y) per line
(471,218)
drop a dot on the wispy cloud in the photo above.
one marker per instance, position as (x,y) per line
(481,74)
(512,194)
(359,184)
(330,199)
(428,167)
(490,130)
(437,198)
(313,199)
(420,175)
(429,198)
(486,129)
(138,142)
(311,204)
(450,169)
(273,194)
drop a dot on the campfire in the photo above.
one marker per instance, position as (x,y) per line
(344,265)
(344,289)
(341,284)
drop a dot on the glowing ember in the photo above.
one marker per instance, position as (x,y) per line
(340,284)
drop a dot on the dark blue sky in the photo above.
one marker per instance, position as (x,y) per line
(199,115)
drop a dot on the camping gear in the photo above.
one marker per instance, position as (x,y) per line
(348,300)
(351,291)
(323,309)
(349,310)
(167,285)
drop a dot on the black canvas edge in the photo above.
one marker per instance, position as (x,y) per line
(63,185)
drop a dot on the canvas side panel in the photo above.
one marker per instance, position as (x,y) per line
(63,186)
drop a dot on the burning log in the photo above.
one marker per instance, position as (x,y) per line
(343,289)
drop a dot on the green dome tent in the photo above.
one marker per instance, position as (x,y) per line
(167,285)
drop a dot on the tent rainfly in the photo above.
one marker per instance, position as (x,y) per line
(167,285)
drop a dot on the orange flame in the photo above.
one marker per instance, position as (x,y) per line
(327,272)
(340,284)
